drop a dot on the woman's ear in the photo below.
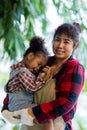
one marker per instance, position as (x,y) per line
(75,45)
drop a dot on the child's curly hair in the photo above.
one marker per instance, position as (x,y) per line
(37,45)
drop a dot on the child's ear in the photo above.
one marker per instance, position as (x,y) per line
(30,56)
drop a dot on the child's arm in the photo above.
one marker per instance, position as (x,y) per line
(30,83)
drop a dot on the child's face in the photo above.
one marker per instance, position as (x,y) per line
(35,62)
(63,46)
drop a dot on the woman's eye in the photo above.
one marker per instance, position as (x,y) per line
(66,42)
(57,39)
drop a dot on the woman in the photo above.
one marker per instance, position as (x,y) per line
(69,80)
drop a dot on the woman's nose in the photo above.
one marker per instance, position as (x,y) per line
(60,44)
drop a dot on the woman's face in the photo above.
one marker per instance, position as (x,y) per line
(63,47)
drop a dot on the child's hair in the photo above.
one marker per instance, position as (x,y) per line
(71,30)
(36,46)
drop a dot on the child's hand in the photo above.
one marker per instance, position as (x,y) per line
(51,71)
(46,68)
(44,73)
(41,75)
(48,73)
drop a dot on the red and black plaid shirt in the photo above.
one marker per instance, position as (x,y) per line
(24,81)
(69,84)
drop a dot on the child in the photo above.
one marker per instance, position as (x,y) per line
(23,83)
(20,88)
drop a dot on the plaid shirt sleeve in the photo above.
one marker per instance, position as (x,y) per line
(29,82)
(5,103)
(69,85)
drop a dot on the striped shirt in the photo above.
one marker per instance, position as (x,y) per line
(24,81)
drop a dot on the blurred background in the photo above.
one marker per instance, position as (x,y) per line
(20,20)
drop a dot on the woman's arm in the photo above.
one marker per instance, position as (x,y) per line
(69,86)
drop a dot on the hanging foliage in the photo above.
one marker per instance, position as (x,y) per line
(18,19)
(12,13)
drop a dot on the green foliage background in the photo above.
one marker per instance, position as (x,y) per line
(17,25)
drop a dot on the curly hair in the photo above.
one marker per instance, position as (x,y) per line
(37,45)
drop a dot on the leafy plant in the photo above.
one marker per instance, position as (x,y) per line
(12,13)
(18,23)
